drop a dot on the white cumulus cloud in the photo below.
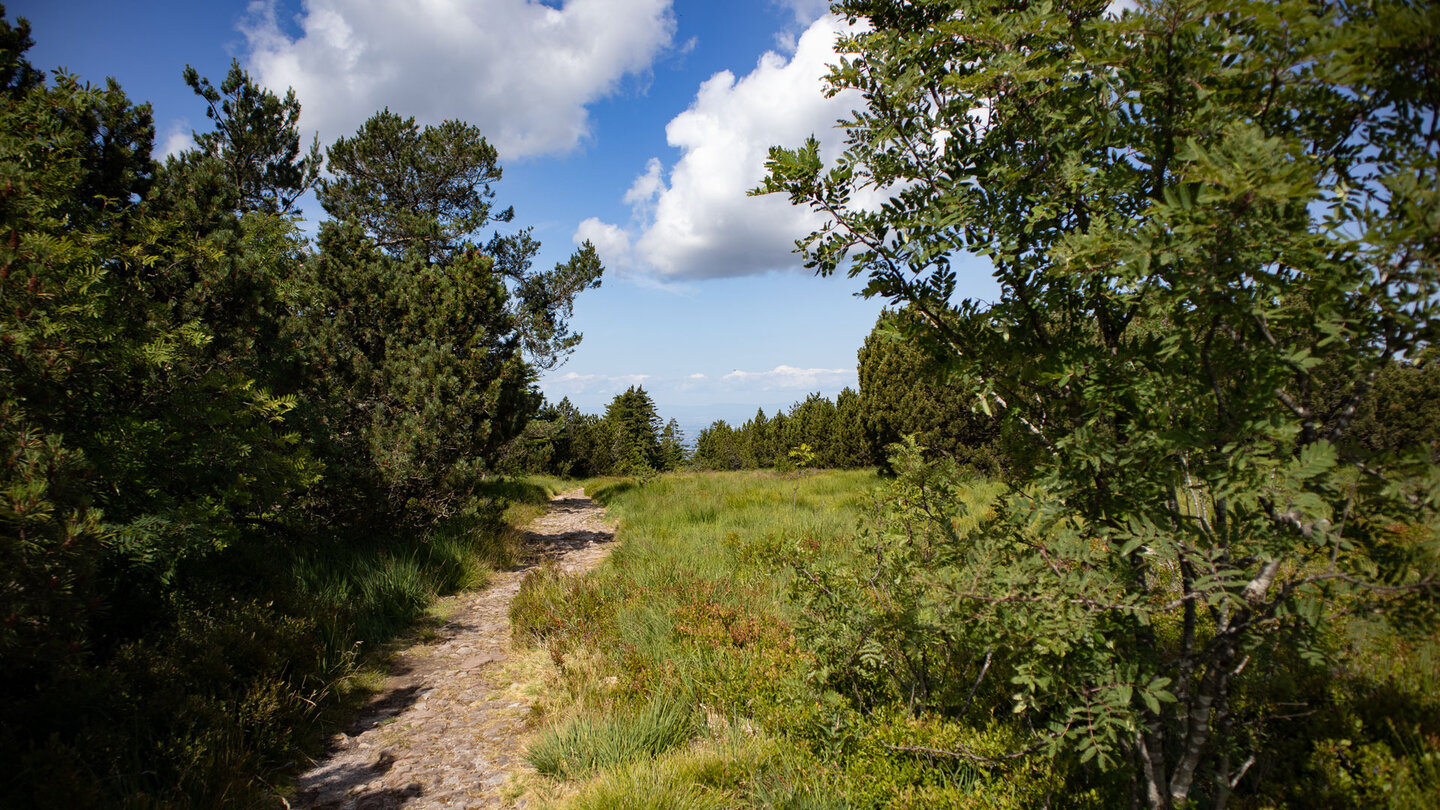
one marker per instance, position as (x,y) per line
(610,240)
(521,70)
(695,220)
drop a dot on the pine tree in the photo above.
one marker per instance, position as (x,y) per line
(415,334)
(718,447)
(255,144)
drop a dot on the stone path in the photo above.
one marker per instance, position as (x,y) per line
(441,734)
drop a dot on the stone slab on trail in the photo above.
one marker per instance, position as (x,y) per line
(440,734)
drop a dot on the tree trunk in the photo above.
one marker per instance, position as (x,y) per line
(1197,735)
(1152,758)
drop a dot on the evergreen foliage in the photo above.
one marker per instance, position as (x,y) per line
(227,456)
(414,335)
(673,452)
(833,428)
(635,428)
(903,393)
(717,448)
(627,440)
(256,142)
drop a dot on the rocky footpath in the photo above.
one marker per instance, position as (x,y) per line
(441,733)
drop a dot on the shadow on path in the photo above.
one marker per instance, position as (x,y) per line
(355,770)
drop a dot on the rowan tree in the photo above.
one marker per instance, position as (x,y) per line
(1190,209)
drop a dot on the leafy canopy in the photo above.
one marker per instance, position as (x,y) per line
(1192,210)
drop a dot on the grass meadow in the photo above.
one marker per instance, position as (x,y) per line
(679,679)
(682,674)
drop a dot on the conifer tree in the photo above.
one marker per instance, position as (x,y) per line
(672,446)
(255,143)
(414,332)
(131,453)
(718,448)
(904,391)
(636,430)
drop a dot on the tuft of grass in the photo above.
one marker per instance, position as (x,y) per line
(730,768)
(552,603)
(586,743)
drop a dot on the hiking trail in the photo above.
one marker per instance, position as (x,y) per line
(441,733)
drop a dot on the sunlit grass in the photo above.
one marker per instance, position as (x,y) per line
(587,743)
(691,606)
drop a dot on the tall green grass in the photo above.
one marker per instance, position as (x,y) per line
(587,743)
(694,603)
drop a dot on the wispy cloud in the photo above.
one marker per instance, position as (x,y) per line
(590,387)
(782,384)
(790,378)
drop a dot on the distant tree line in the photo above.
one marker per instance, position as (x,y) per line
(903,392)
(906,391)
(629,439)
(832,429)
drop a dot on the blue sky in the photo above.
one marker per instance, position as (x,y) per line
(635,123)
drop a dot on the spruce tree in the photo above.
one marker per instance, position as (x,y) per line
(635,427)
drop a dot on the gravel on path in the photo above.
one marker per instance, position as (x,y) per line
(440,733)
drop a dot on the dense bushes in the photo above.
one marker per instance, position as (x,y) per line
(207,707)
(228,462)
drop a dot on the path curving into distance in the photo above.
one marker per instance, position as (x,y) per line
(441,734)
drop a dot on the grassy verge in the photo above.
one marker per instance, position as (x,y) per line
(692,612)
